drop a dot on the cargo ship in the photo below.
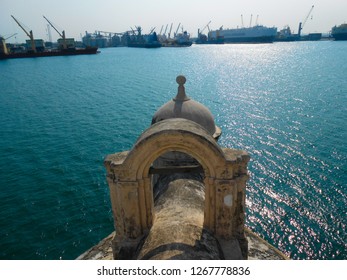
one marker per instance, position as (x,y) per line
(205,39)
(286,35)
(36,47)
(179,39)
(339,33)
(30,54)
(138,40)
(255,34)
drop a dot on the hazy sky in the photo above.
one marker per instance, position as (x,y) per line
(78,16)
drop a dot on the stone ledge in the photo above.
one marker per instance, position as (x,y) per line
(258,249)
(101,251)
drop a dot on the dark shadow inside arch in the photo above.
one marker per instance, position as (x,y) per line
(179,201)
(173,166)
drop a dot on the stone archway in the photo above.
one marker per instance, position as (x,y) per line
(130,184)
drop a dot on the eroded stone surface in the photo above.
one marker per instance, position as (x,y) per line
(103,251)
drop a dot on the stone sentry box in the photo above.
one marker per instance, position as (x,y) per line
(178,128)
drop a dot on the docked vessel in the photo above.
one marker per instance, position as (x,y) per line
(311,37)
(45,53)
(36,47)
(206,39)
(183,39)
(137,40)
(339,33)
(286,35)
(180,40)
(203,40)
(255,34)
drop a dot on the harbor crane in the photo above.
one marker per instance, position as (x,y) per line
(175,34)
(8,36)
(3,47)
(62,35)
(152,30)
(256,21)
(29,34)
(170,31)
(137,28)
(202,30)
(302,24)
(165,29)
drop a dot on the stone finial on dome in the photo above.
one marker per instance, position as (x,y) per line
(181,93)
(186,108)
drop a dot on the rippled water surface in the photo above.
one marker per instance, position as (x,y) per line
(284,103)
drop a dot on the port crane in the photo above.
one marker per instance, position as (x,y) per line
(175,34)
(29,34)
(165,29)
(151,31)
(62,35)
(3,47)
(302,24)
(170,31)
(3,37)
(202,30)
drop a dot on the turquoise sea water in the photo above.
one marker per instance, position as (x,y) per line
(284,103)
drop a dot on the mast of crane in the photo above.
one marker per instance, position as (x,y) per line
(301,24)
(175,34)
(49,33)
(10,36)
(202,30)
(62,35)
(250,22)
(170,31)
(165,29)
(29,34)
(3,46)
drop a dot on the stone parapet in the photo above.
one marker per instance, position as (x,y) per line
(177,194)
(258,249)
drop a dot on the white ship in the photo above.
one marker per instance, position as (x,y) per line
(339,33)
(255,34)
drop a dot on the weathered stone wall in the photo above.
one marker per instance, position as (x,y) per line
(258,249)
(224,173)
(177,194)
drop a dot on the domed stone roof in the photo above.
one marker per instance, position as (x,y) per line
(184,107)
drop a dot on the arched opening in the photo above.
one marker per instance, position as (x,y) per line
(178,231)
(181,138)
(175,149)
(171,166)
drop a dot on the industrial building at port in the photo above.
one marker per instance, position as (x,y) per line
(170,36)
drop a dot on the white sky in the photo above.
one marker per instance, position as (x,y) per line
(78,16)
